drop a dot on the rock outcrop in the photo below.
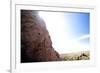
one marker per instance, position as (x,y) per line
(36,44)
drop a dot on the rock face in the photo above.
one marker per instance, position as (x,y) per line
(36,44)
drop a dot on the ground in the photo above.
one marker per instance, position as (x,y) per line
(83,55)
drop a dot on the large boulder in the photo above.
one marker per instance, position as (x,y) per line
(36,44)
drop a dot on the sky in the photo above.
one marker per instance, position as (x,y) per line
(69,31)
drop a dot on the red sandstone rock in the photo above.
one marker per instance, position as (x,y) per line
(36,44)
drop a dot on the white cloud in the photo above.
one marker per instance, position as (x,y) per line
(84,37)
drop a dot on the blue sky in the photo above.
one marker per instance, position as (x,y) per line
(69,31)
(78,24)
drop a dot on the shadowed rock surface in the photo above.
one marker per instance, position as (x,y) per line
(36,44)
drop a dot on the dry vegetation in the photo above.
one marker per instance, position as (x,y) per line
(84,55)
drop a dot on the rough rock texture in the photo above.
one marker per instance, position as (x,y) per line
(36,45)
